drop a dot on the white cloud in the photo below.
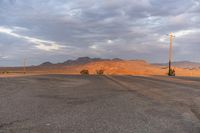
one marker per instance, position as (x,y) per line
(93,46)
(180,33)
(45,45)
(4,57)
(17,28)
(186,32)
(109,41)
(162,39)
(5,30)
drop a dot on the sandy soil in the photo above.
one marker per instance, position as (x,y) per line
(133,67)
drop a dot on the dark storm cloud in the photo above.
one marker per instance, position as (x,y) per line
(58,30)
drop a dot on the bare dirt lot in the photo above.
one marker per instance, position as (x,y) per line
(99,104)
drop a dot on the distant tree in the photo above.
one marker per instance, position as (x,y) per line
(84,72)
(100,72)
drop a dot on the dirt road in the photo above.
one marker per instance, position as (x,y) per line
(99,104)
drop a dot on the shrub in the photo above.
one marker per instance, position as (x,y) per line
(171,72)
(4,72)
(84,72)
(100,72)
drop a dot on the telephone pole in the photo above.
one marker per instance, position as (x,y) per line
(24,65)
(170,54)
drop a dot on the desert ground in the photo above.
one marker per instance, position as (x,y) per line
(99,104)
(122,67)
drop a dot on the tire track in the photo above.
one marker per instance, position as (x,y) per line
(193,104)
(127,87)
(9,124)
(195,107)
(192,84)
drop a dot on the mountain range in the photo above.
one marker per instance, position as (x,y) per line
(85,60)
(78,61)
(114,66)
(183,64)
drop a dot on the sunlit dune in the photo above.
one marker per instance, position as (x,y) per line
(136,67)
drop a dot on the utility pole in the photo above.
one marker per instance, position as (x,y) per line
(170,55)
(24,65)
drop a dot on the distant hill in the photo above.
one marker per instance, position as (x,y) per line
(114,66)
(81,60)
(46,64)
(183,64)
(86,60)
(78,61)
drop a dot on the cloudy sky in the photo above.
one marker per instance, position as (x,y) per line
(57,30)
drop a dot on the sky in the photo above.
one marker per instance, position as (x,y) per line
(57,30)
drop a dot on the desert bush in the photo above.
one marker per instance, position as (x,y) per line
(4,72)
(100,72)
(84,72)
(171,72)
